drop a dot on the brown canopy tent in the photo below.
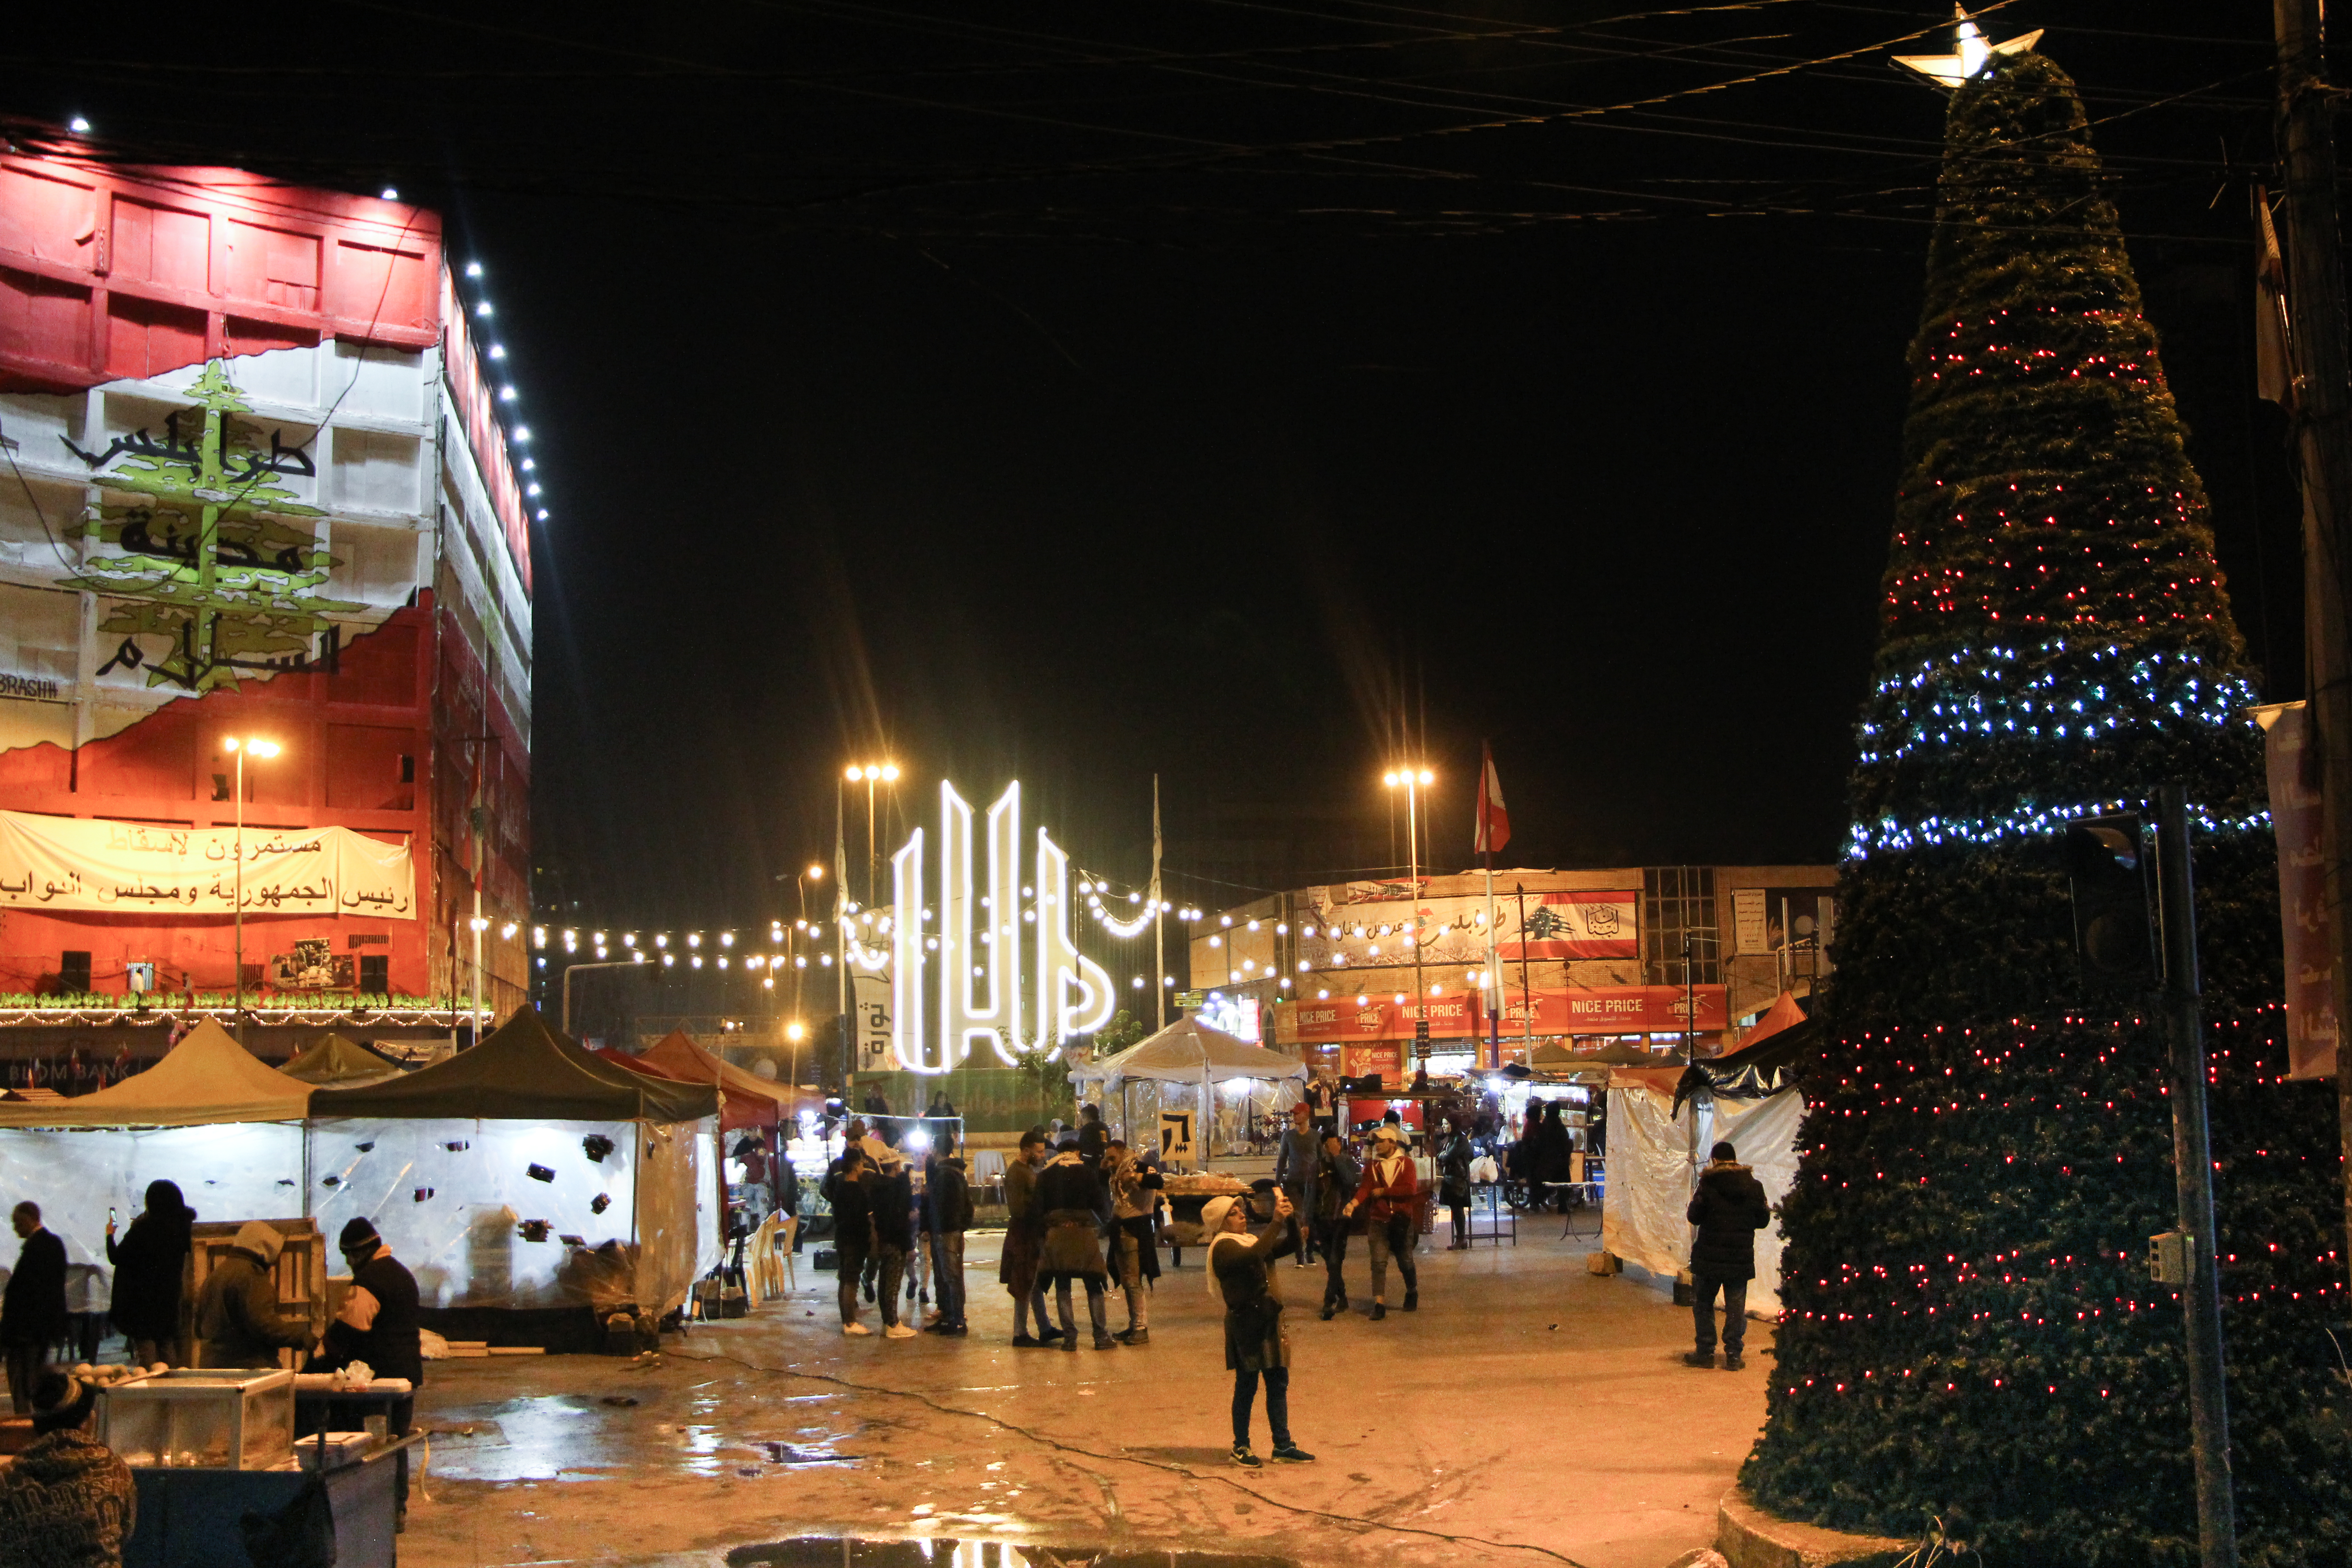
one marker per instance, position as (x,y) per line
(524,1071)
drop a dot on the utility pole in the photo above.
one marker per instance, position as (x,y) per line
(2322,411)
(2193,1166)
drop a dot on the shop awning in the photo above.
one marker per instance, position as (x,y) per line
(524,1071)
(208,1078)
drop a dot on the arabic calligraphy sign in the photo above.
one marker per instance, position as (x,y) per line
(71,863)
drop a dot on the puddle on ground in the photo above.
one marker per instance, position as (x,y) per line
(564,1437)
(843,1552)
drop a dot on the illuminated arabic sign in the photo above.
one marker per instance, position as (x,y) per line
(995,954)
(113,868)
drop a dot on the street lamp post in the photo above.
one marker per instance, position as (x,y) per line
(239,746)
(1410,779)
(632,961)
(873,773)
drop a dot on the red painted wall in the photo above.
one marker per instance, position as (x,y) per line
(108,273)
(344,736)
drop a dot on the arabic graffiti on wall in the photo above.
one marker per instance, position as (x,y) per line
(70,863)
(215,566)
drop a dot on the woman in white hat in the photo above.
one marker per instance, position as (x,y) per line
(1240,1274)
(1389,1194)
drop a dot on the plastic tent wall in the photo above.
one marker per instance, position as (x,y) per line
(236,1172)
(1654,1163)
(452,1198)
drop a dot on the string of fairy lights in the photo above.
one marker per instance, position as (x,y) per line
(2076,1288)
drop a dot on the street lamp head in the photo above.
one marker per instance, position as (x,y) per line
(856,772)
(889,773)
(816,872)
(254,744)
(1428,777)
(1389,779)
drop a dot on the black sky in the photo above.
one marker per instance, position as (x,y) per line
(1221,390)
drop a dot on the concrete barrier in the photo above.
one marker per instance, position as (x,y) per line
(1750,1538)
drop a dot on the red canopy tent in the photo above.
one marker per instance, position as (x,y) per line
(745,1099)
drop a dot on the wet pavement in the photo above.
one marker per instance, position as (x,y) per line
(1528,1413)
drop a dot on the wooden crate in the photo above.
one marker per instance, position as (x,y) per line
(302,1277)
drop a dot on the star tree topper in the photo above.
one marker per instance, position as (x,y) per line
(1970,52)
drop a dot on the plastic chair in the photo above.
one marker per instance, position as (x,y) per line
(787,1236)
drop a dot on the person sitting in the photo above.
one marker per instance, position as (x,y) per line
(378,1327)
(238,1320)
(68,1499)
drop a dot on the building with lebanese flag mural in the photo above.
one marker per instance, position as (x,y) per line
(256,487)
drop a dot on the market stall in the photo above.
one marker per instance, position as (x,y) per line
(526,1175)
(225,1126)
(1192,1127)
(1663,1121)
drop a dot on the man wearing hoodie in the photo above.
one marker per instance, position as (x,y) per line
(238,1320)
(890,1194)
(67,1499)
(1729,1209)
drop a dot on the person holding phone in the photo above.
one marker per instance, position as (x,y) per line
(149,1264)
(1257,1350)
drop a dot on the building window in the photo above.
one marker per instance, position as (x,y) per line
(73,971)
(375,974)
(1678,902)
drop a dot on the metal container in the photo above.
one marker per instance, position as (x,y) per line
(220,1420)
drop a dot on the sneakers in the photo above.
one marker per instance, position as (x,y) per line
(1248,1461)
(1048,1335)
(1380,1311)
(897,1331)
(1733,1363)
(854,1329)
(1292,1454)
(1698,1358)
(1067,1343)
(1105,1342)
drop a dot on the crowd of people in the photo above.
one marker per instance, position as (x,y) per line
(899,1223)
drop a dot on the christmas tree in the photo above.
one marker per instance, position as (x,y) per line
(1971,1343)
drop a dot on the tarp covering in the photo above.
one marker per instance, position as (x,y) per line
(453,1200)
(236,1172)
(524,1071)
(332,1061)
(1654,1160)
(1764,1063)
(206,1078)
(1188,1051)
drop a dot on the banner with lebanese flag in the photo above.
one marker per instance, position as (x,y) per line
(1579,925)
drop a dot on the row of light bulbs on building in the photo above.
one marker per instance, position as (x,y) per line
(508,394)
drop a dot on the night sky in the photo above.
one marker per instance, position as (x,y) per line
(1247,394)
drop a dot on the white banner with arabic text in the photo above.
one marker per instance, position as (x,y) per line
(116,868)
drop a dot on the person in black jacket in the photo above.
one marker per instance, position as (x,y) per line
(947,1192)
(378,1324)
(33,1310)
(150,1262)
(1729,1209)
(890,1198)
(853,1230)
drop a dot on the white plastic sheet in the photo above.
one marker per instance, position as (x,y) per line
(1653,1166)
(233,1172)
(456,1216)
(1649,1184)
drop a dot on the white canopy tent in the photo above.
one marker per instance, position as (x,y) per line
(1189,1052)
(210,1116)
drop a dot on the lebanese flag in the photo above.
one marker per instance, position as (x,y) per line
(1494,819)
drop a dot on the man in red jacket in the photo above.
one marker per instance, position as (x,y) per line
(1389,1194)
